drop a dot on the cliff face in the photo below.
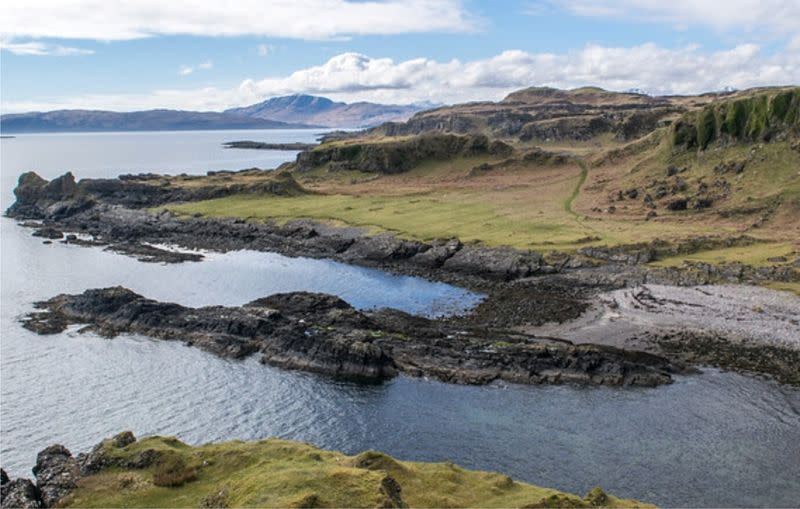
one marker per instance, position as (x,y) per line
(546,114)
(767,116)
(396,156)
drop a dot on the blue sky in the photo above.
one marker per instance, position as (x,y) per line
(141,54)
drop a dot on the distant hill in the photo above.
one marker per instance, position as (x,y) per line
(309,109)
(150,120)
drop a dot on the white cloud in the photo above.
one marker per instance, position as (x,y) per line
(186,70)
(265,49)
(41,49)
(296,19)
(355,77)
(776,17)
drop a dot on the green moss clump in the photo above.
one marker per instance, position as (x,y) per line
(736,119)
(173,471)
(750,119)
(706,127)
(757,121)
(684,134)
(780,105)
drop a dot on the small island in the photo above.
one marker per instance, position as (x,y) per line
(258,145)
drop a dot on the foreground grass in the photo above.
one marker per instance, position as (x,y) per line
(278,473)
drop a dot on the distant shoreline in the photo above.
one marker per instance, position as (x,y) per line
(257,145)
(15,133)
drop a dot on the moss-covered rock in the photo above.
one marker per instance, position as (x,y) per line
(279,473)
(762,116)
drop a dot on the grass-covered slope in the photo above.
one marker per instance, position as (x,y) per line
(279,473)
(746,181)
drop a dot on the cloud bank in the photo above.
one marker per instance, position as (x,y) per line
(355,77)
(186,70)
(779,17)
(40,49)
(308,19)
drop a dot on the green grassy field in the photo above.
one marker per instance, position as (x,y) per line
(279,473)
(543,206)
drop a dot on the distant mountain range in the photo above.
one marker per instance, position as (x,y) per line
(294,111)
(309,109)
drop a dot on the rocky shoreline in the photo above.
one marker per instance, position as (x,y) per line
(523,288)
(324,334)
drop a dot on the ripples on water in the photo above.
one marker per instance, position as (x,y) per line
(716,439)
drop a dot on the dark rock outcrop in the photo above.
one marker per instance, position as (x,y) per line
(19,494)
(56,474)
(398,156)
(499,263)
(322,333)
(36,198)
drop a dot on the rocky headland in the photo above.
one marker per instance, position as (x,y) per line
(562,238)
(124,471)
(322,333)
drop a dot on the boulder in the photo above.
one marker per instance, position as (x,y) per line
(497,263)
(48,233)
(437,253)
(382,247)
(679,204)
(19,493)
(56,474)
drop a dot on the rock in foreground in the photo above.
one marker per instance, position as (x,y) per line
(280,473)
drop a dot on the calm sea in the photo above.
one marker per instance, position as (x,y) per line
(715,439)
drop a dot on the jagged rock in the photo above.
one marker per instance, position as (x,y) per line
(632,255)
(3,477)
(322,333)
(48,233)
(437,253)
(391,489)
(497,263)
(98,458)
(19,494)
(703,203)
(382,247)
(679,204)
(736,167)
(56,474)
(679,186)
(123,439)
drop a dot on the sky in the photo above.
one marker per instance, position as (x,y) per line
(130,55)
